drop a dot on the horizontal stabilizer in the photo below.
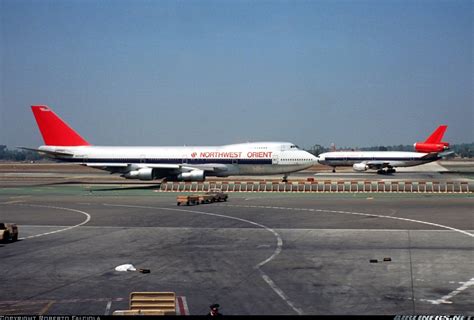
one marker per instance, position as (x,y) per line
(49,153)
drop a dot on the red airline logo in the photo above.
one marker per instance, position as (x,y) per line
(232,154)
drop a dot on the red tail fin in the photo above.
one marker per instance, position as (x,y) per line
(433,143)
(54,130)
(437,135)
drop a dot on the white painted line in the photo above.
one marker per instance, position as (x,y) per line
(278,291)
(444,299)
(107,308)
(265,277)
(88,218)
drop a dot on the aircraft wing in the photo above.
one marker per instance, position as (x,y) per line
(164,167)
(105,165)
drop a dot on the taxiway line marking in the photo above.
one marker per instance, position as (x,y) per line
(88,218)
(356,213)
(107,308)
(46,308)
(443,299)
(13,201)
(277,251)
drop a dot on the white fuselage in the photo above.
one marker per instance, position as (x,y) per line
(375,158)
(235,159)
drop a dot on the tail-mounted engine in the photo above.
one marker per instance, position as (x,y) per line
(431,147)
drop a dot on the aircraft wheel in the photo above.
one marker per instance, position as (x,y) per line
(6,237)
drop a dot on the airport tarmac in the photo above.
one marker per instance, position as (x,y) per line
(257,254)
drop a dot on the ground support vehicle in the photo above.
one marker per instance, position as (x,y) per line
(205,198)
(8,232)
(187,199)
(217,196)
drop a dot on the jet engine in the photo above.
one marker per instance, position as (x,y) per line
(194,175)
(140,174)
(360,167)
(431,147)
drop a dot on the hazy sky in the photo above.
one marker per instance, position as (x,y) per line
(356,73)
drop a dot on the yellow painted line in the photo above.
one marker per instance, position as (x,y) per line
(10,310)
(46,308)
(13,201)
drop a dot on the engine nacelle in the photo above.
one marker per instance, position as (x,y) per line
(194,175)
(431,147)
(140,174)
(360,167)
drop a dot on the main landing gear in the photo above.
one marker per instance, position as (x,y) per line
(388,171)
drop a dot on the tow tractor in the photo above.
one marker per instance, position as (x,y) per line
(214,195)
(8,232)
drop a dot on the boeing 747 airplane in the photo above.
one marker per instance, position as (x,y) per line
(62,143)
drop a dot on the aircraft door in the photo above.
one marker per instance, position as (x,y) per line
(275,159)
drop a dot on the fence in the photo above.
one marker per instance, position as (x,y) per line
(322,186)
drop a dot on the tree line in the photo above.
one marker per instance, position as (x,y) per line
(18,154)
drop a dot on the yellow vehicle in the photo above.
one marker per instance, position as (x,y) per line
(205,198)
(8,232)
(187,199)
(213,195)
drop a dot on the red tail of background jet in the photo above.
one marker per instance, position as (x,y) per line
(433,143)
(54,130)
